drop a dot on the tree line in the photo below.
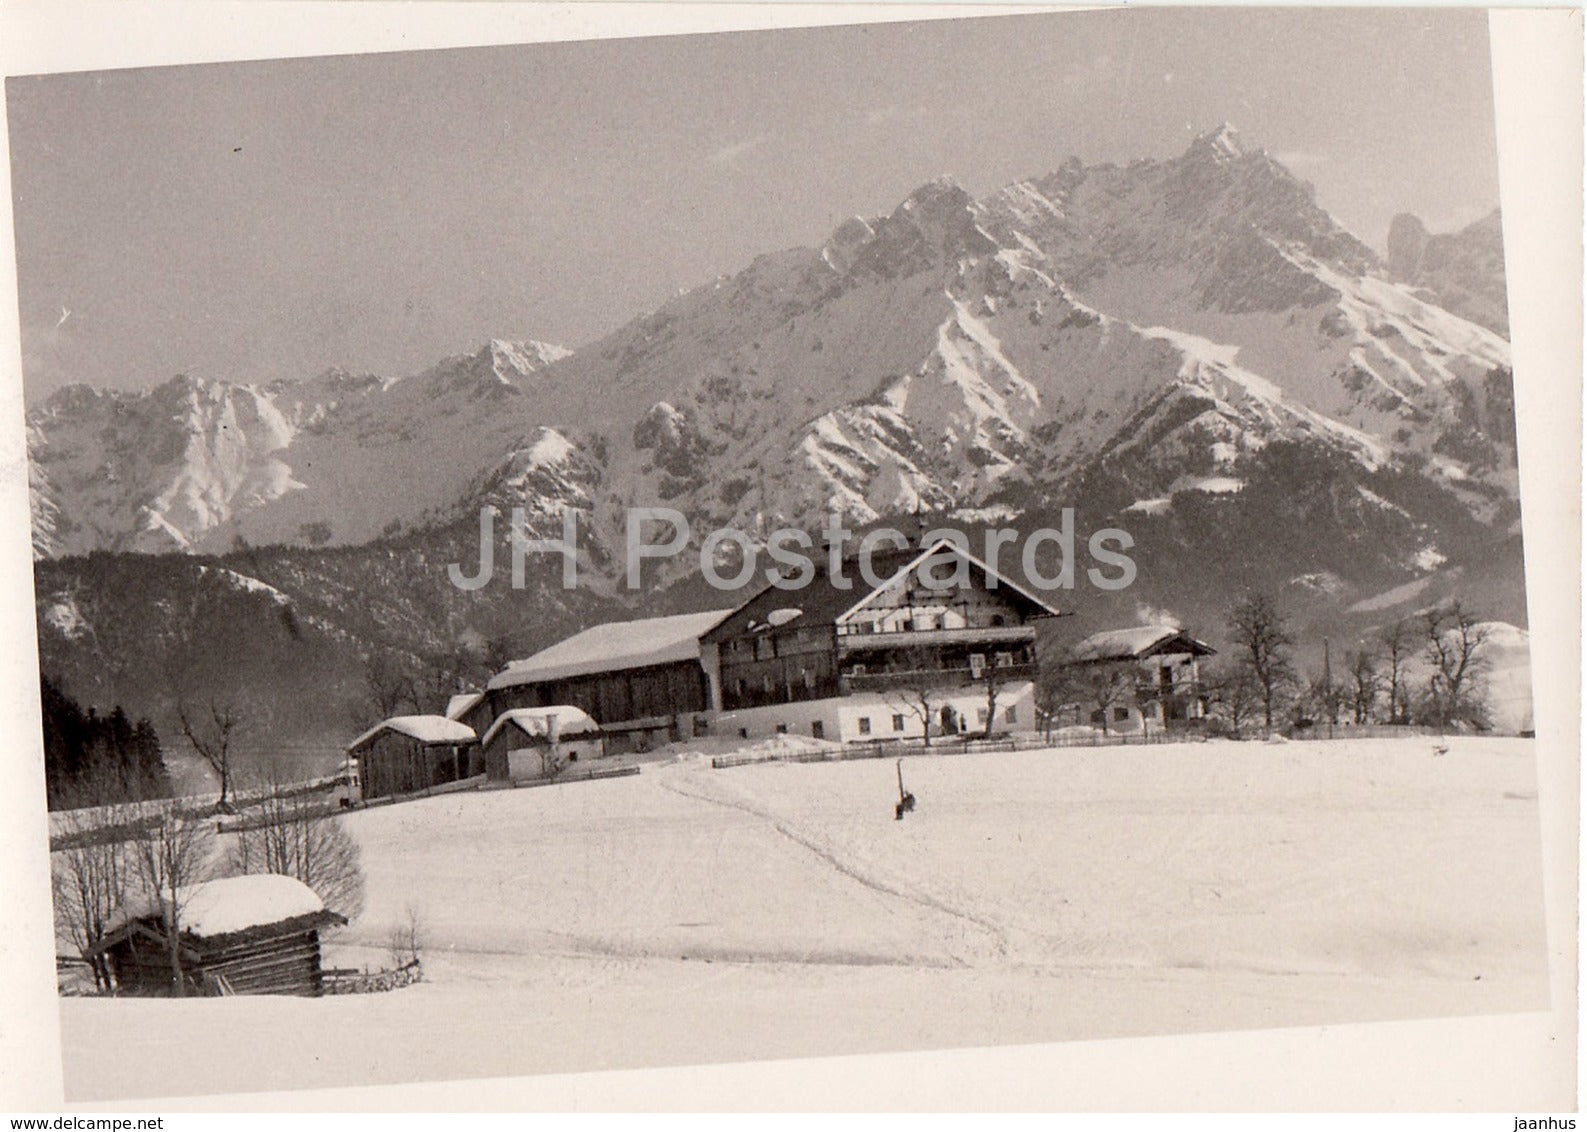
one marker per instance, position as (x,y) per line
(90,758)
(1428,669)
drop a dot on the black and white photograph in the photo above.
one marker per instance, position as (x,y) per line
(662,550)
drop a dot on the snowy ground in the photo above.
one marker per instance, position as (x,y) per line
(687,915)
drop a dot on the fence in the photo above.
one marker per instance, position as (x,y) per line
(892,748)
(1035,741)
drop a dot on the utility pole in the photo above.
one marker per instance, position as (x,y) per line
(1328,687)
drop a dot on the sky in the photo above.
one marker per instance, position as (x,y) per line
(267,220)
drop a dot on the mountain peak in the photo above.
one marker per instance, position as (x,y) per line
(520,358)
(1223,143)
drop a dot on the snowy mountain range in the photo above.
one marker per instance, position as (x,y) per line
(1189,348)
(956,353)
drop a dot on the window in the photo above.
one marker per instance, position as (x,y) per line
(865,725)
(1003,660)
(898,723)
(1121,714)
(857,670)
(1011,716)
(764,649)
(977,663)
(981,716)
(818,730)
(782,729)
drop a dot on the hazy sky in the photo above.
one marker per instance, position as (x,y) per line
(252,221)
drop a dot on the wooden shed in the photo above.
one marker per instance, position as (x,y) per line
(410,753)
(257,934)
(527,743)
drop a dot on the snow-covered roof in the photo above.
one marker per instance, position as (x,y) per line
(460,704)
(613,647)
(232,904)
(424,728)
(536,722)
(1134,643)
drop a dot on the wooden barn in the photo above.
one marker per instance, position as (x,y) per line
(257,934)
(407,754)
(529,743)
(642,681)
(472,709)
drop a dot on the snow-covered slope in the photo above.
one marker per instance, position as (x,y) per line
(690,916)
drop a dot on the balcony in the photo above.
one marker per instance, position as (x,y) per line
(983,635)
(934,677)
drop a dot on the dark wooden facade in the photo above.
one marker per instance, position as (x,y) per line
(656,692)
(391,762)
(279,958)
(793,646)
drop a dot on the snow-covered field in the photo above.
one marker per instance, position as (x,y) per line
(687,915)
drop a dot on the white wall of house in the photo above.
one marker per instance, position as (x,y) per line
(878,715)
(531,760)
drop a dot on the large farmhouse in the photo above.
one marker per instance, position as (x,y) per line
(943,644)
(643,681)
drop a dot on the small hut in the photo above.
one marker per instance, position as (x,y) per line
(257,934)
(529,743)
(409,753)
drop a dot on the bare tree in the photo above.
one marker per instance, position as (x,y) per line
(211,733)
(174,854)
(995,679)
(407,937)
(914,680)
(1103,686)
(1455,649)
(1235,693)
(1365,684)
(1398,644)
(292,832)
(1329,696)
(89,880)
(1262,635)
(499,652)
(388,688)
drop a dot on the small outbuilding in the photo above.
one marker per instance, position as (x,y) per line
(1138,678)
(410,753)
(529,743)
(257,934)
